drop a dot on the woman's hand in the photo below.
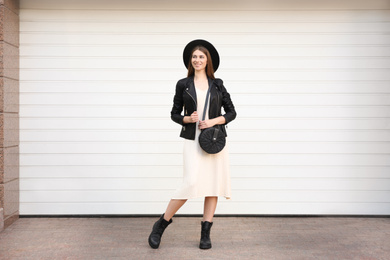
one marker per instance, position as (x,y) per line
(206,124)
(212,122)
(193,118)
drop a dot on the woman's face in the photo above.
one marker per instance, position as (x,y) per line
(199,60)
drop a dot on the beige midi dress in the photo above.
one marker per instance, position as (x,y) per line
(203,174)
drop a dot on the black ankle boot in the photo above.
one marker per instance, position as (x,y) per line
(157,231)
(205,242)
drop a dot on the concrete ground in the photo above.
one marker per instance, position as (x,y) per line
(232,238)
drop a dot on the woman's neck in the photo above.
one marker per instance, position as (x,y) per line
(200,75)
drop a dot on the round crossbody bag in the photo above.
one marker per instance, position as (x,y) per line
(212,140)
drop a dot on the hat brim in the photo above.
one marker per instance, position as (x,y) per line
(212,50)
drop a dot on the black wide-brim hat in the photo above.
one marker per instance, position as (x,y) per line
(212,50)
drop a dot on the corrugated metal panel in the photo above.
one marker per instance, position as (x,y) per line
(310,83)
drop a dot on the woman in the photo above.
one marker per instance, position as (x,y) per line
(205,175)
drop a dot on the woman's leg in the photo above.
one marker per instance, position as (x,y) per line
(210,204)
(173,206)
(163,222)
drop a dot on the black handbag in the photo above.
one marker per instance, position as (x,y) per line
(212,140)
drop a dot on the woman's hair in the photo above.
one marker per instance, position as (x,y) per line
(209,66)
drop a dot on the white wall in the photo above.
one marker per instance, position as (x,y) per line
(310,83)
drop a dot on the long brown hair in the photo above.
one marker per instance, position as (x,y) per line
(209,66)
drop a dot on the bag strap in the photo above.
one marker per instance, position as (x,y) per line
(207,99)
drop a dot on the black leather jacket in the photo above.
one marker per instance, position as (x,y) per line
(185,98)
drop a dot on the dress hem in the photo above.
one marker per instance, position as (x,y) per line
(202,196)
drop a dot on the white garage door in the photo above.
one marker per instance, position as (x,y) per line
(310,80)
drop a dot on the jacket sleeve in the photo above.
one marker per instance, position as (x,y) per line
(230,111)
(177,107)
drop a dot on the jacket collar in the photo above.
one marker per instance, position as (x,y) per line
(190,86)
(210,81)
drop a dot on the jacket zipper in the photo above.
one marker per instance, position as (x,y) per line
(217,96)
(184,128)
(191,97)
